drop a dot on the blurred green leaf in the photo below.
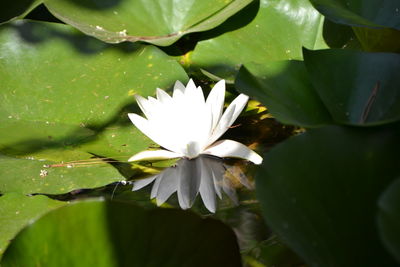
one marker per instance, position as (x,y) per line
(376,23)
(372,13)
(278,32)
(65,97)
(357,88)
(160,23)
(11,10)
(17,211)
(389,218)
(319,190)
(119,234)
(285,88)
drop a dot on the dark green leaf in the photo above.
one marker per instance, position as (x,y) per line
(17,211)
(284,87)
(319,190)
(356,87)
(376,23)
(389,218)
(118,234)
(10,10)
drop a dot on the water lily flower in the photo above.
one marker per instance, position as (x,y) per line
(187,125)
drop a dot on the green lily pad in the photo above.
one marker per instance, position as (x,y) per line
(319,191)
(285,88)
(372,13)
(356,87)
(11,10)
(17,211)
(278,32)
(65,97)
(155,22)
(389,218)
(376,23)
(119,234)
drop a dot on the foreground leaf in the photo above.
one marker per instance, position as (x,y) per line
(17,211)
(319,191)
(389,218)
(118,234)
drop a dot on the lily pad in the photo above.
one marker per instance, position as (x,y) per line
(376,23)
(356,87)
(285,88)
(278,32)
(65,97)
(16,9)
(17,211)
(319,191)
(155,22)
(120,234)
(389,218)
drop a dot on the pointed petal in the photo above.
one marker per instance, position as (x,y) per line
(154,155)
(162,96)
(156,185)
(189,182)
(233,149)
(178,87)
(144,126)
(139,184)
(215,101)
(168,185)
(143,104)
(207,189)
(229,116)
(217,169)
(190,87)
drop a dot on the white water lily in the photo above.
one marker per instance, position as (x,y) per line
(187,125)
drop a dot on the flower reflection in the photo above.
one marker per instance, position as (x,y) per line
(189,177)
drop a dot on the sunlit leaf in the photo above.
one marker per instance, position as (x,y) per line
(278,32)
(157,22)
(65,97)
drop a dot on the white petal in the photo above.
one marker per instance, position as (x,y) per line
(154,155)
(168,185)
(144,104)
(189,182)
(162,96)
(207,189)
(215,101)
(233,149)
(179,87)
(154,134)
(139,184)
(156,185)
(229,116)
